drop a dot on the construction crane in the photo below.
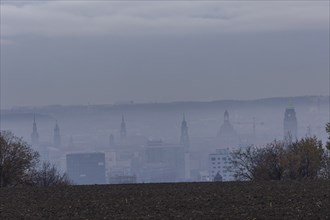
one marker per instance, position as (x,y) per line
(253,123)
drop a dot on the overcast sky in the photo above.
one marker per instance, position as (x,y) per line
(79,52)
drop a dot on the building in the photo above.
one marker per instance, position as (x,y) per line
(170,156)
(41,147)
(227,136)
(57,136)
(184,138)
(184,141)
(34,135)
(219,163)
(86,168)
(123,132)
(157,173)
(290,125)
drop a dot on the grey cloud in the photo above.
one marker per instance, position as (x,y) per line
(120,18)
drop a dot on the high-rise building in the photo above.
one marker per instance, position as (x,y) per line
(290,125)
(123,128)
(184,138)
(57,136)
(34,135)
(170,156)
(86,168)
(219,164)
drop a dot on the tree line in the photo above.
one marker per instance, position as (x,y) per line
(303,159)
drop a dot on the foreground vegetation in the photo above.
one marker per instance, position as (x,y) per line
(304,159)
(20,165)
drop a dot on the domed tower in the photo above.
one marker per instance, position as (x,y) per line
(227,135)
(34,135)
(123,128)
(184,138)
(290,124)
(57,136)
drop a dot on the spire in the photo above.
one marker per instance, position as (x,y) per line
(184,122)
(57,135)
(184,138)
(34,135)
(123,128)
(226,116)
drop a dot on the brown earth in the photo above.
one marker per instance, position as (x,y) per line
(231,200)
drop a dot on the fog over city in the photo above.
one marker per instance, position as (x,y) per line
(106,52)
(153,91)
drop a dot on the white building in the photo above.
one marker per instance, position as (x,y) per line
(218,163)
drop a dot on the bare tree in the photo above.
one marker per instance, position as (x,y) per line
(17,159)
(48,175)
(243,163)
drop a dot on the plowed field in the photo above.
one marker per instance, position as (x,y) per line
(231,200)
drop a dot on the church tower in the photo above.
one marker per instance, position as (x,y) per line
(184,139)
(227,135)
(290,125)
(57,136)
(34,135)
(123,128)
(226,117)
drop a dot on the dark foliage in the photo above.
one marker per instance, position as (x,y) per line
(19,165)
(301,160)
(17,160)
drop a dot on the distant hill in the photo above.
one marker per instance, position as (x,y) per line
(183,105)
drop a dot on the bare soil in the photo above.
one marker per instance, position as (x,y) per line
(230,200)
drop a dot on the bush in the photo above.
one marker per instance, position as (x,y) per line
(48,175)
(300,160)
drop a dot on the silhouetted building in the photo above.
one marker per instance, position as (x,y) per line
(217,178)
(34,135)
(170,156)
(86,168)
(184,138)
(157,173)
(227,135)
(290,124)
(57,136)
(123,133)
